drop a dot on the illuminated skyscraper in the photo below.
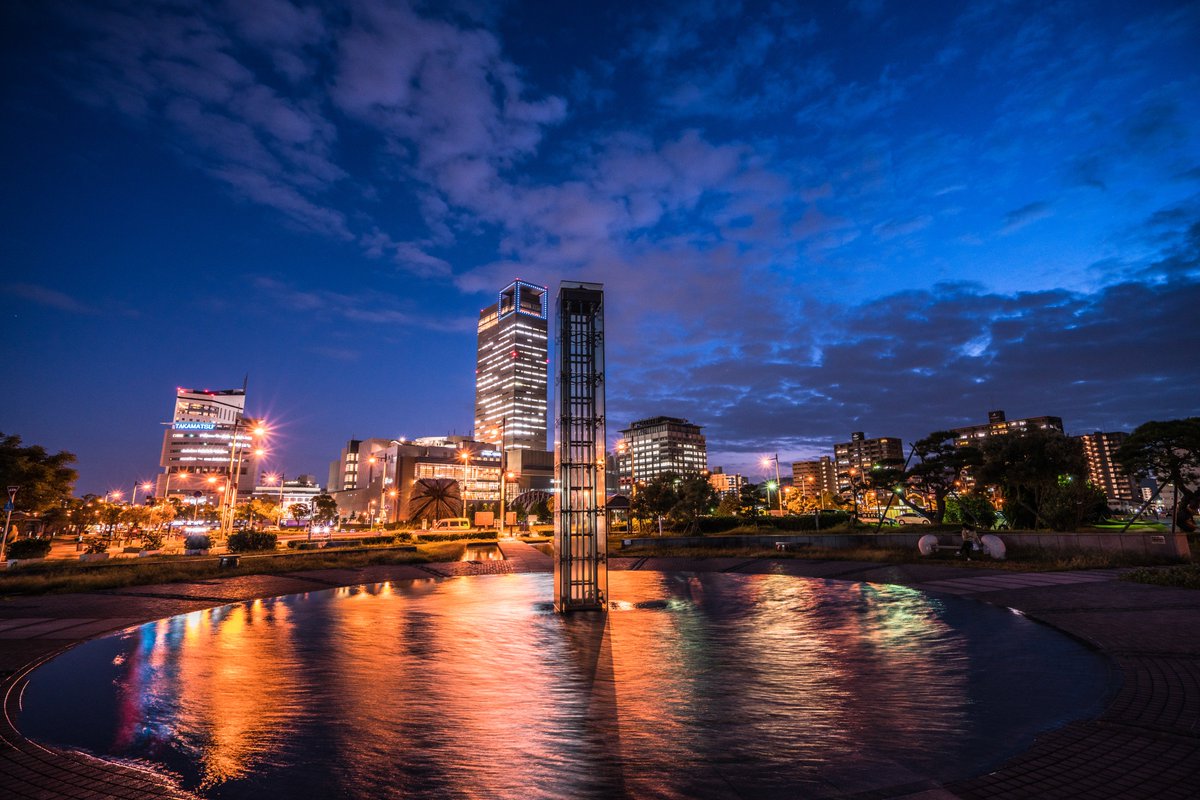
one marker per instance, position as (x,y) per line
(511,369)
(207,433)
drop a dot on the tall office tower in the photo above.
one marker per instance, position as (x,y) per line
(511,369)
(1104,471)
(658,445)
(209,437)
(861,454)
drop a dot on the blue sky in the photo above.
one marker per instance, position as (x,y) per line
(811,218)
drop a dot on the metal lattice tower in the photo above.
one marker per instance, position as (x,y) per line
(580,538)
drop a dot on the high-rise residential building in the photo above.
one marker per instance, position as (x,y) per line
(998,425)
(1104,471)
(208,439)
(651,447)
(512,368)
(859,455)
(814,478)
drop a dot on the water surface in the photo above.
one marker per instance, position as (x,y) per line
(695,685)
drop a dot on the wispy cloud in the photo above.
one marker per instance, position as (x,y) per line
(51,298)
(1028,214)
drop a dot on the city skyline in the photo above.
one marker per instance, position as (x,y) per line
(809,220)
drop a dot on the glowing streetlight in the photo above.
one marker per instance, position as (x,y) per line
(767,460)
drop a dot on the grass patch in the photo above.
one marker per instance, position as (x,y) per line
(1028,559)
(1182,576)
(71,576)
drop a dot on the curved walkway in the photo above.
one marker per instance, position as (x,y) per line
(1145,745)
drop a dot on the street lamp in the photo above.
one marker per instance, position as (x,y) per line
(236,449)
(465,455)
(501,431)
(854,491)
(766,461)
(145,486)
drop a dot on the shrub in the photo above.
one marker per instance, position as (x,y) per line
(152,540)
(29,548)
(300,544)
(249,541)
(197,541)
(799,522)
(470,536)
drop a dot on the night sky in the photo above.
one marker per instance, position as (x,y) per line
(810,218)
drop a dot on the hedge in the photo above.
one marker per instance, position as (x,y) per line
(802,522)
(247,541)
(470,536)
(29,548)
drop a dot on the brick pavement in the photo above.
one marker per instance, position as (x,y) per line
(1146,744)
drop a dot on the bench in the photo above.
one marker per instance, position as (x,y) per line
(791,545)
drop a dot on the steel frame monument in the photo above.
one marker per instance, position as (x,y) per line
(580,537)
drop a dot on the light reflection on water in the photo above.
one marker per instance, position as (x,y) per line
(693,686)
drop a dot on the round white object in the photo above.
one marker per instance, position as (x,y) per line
(993,545)
(927,544)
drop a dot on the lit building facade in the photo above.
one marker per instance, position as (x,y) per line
(287,493)
(726,483)
(658,445)
(1104,471)
(388,468)
(512,369)
(208,440)
(814,478)
(998,425)
(856,457)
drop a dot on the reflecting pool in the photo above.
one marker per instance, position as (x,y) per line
(695,685)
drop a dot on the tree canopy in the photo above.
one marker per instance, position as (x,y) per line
(46,481)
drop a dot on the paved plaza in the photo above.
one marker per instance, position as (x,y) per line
(1146,744)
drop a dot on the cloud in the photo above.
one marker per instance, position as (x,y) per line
(51,298)
(1027,214)
(368,308)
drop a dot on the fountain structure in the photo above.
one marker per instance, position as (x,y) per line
(580,538)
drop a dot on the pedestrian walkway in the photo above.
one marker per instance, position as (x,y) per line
(1017,580)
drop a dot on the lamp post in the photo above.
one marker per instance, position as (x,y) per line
(235,475)
(622,447)
(144,486)
(778,482)
(465,455)
(501,431)
(167,486)
(854,492)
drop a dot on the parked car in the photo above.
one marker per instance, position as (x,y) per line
(912,519)
(452,524)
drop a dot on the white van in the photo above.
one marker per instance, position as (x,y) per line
(452,524)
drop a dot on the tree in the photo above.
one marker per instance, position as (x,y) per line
(940,465)
(1167,451)
(970,509)
(1025,468)
(730,505)
(750,500)
(267,510)
(656,498)
(695,497)
(1073,503)
(299,511)
(46,481)
(325,509)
